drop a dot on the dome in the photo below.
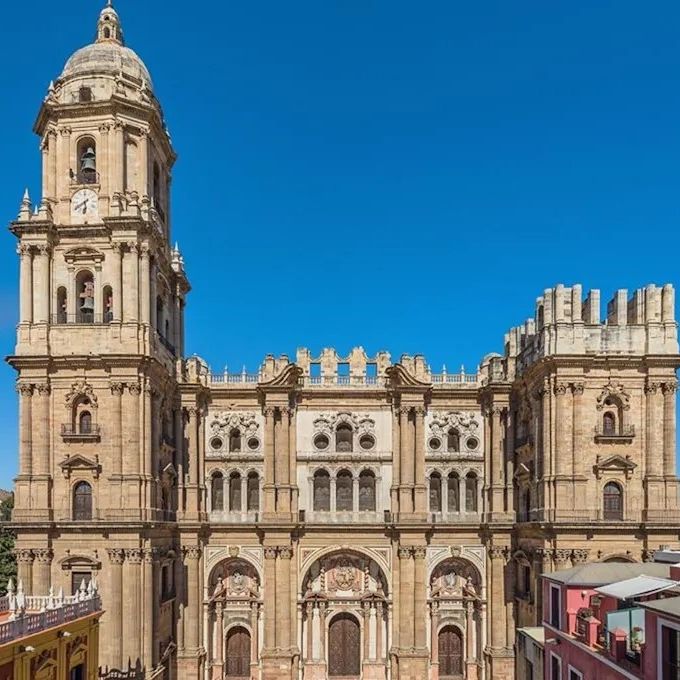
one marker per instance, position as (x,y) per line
(106,58)
(108,54)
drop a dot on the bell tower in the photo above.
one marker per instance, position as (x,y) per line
(99,346)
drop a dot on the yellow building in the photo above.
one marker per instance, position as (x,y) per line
(54,637)
(328,515)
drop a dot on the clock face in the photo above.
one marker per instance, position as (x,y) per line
(84,202)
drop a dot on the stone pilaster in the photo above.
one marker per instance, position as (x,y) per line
(396,462)
(25,558)
(117,280)
(150,595)
(406,463)
(190,658)
(113,618)
(41,284)
(420,488)
(25,284)
(132,603)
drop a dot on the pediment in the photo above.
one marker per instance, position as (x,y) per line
(614,463)
(83,254)
(80,462)
(398,376)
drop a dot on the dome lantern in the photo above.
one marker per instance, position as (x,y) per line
(108,26)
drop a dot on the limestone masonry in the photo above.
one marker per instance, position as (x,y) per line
(338,516)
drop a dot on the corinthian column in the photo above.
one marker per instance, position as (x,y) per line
(131,283)
(113,640)
(132,601)
(25,559)
(117,390)
(116,280)
(269,481)
(282,461)
(26,284)
(669,423)
(419,452)
(192,555)
(497,556)
(562,460)
(655,450)
(270,626)
(406,465)
(577,432)
(284,619)
(25,429)
(42,571)
(406,598)
(41,285)
(419,599)
(145,277)
(149,598)
(396,461)
(42,449)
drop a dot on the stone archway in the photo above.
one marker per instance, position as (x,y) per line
(233,615)
(457,619)
(345,606)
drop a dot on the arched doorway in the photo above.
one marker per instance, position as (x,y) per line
(237,653)
(344,647)
(450,643)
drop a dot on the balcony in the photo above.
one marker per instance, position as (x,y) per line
(624,434)
(166,343)
(81,318)
(344,517)
(84,177)
(72,432)
(234,516)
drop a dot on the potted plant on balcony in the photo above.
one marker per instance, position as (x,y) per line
(636,639)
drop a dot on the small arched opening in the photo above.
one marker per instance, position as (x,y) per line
(217,492)
(435,492)
(235,492)
(85,296)
(322,491)
(366,491)
(82,502)
(612,501)
(343,438)
(471,504)
(344,496)
(453,441)
(453,491)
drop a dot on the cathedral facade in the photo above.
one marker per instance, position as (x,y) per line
(329,516)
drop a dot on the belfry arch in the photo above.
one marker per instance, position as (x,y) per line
(345,617)
(233,612)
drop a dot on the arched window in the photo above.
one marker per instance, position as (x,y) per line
(609,423)
(62,305)
(322,491)
(235,492)
(613,501)
(366,491)
(343,438)
(82,502)
(471,492)
(85,422)
(217,492)
(435,492)
(453,441)
(85,297)
(159,314)
(344,496)
(235,441)
(87,161)
(253,491)
(107,304)
(453,492)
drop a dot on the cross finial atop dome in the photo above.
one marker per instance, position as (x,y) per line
(108,26)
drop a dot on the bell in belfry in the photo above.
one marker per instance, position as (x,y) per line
(87,297)
(88,165)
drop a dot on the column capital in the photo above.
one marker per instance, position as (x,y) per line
(670,387)
(405,552)
(577,388)
(419,552)
(580,555)
(191,552)
(652,387)
(420,411)
(404,410)
(133,555)
(43,555)
(498,552)
(269,411)
(44,389)
(562,555)
(24,250)
(135,389)
(23,555)
(116,555)
(117,388)
(561,389)
(285,552)
(150,555)
(25,389)
(270,552)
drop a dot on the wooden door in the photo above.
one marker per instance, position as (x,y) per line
(238,653)
(344,647)
(450,653)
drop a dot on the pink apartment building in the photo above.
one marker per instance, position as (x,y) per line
(607,621)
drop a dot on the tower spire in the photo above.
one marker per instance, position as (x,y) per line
(108,26)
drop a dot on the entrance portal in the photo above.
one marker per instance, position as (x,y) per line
(450,653)
(344,647)
(238,653)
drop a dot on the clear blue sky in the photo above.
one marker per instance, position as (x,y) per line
(405,176)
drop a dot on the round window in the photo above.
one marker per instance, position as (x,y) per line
(435,443)
(321,442)
(366,442)
(253,443)
(216,443)
(472,443)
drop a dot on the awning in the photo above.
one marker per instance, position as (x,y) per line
(639,586)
